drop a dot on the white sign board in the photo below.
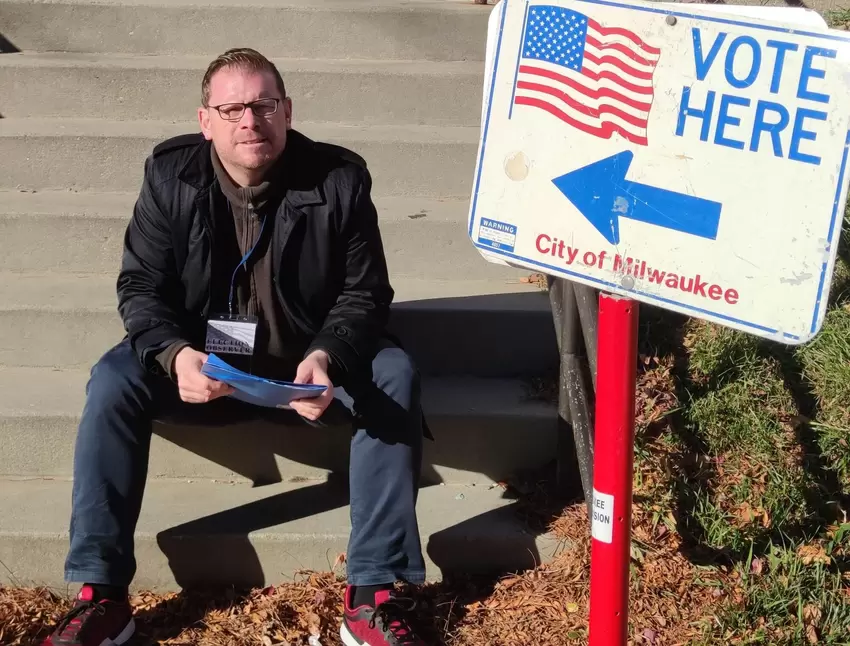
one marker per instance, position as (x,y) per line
(691,157)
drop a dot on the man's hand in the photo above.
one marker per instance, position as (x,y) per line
(314,370)
(196,388)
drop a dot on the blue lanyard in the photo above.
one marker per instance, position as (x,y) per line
(243,263)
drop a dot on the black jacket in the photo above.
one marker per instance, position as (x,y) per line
(329,268)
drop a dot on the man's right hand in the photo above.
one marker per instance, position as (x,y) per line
(195,387)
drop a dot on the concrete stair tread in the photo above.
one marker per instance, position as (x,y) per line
(119,205)
(336,6)
(352,29)
(52,127)
(461,326)
(67,203)
(485,429)
(259,535)
(82,233)
(96,62)
(54,292)
(118,87)
(179,501)
(38,391)
(47,153)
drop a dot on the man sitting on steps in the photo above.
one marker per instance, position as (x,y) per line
(251,221)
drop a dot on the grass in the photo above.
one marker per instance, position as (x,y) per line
(761,471)
(747,483)
(826,362)
(838,18)
(796,601)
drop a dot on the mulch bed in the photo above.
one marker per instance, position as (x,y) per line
(547,606)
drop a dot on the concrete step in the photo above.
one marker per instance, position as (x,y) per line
(99,155)
(485,430)
(80,232)
(481,328)
(118,87)
(218,534)
(372,29)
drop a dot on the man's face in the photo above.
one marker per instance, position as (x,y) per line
(253,141)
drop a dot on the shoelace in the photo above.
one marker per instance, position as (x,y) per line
(393,615)
(71,623)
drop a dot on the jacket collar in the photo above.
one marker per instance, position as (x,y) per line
(303,187)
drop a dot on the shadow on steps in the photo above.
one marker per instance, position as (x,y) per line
(194,558)
(513,328)
(506,336)
(220,574)
(6,47)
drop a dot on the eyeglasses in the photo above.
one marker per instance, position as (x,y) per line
(234,111)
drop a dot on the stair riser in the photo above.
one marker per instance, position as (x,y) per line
(93,245)
(204,534)
(249,563)
(399,33)
(477,342)
(478,449)
(170,564)
(174,94)
(437,169)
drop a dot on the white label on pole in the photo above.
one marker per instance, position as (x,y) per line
(602,527)
(693,157)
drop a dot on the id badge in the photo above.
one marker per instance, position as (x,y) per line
(231,334)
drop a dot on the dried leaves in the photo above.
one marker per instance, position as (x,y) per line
(746,515)
(537,279)
(549,606)
(285,615)
(813,554)
(656,393)
(288,614)
(26,613)
(670,603)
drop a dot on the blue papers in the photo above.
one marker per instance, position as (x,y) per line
(257,390)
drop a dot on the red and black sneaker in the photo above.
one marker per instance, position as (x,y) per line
(94,623)
(387,624)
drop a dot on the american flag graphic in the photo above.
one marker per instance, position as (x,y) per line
(597,79)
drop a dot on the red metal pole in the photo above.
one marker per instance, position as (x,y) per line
(613,468)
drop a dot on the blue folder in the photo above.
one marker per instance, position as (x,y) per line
(258,390)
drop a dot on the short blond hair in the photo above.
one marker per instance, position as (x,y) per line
(244,58)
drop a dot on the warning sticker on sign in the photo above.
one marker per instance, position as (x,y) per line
(498,235)
(602,527)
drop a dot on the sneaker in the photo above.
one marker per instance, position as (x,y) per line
(94,623)
(384,625)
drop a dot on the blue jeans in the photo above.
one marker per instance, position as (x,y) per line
(113,445)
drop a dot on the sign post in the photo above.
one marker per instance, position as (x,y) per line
(612,471)
(685,156)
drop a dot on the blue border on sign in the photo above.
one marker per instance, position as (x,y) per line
(836,209)
(487,122)
(518,59)
(603,283)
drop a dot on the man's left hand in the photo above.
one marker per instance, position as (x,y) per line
(314,370)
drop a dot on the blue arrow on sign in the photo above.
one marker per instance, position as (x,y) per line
(602,194)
